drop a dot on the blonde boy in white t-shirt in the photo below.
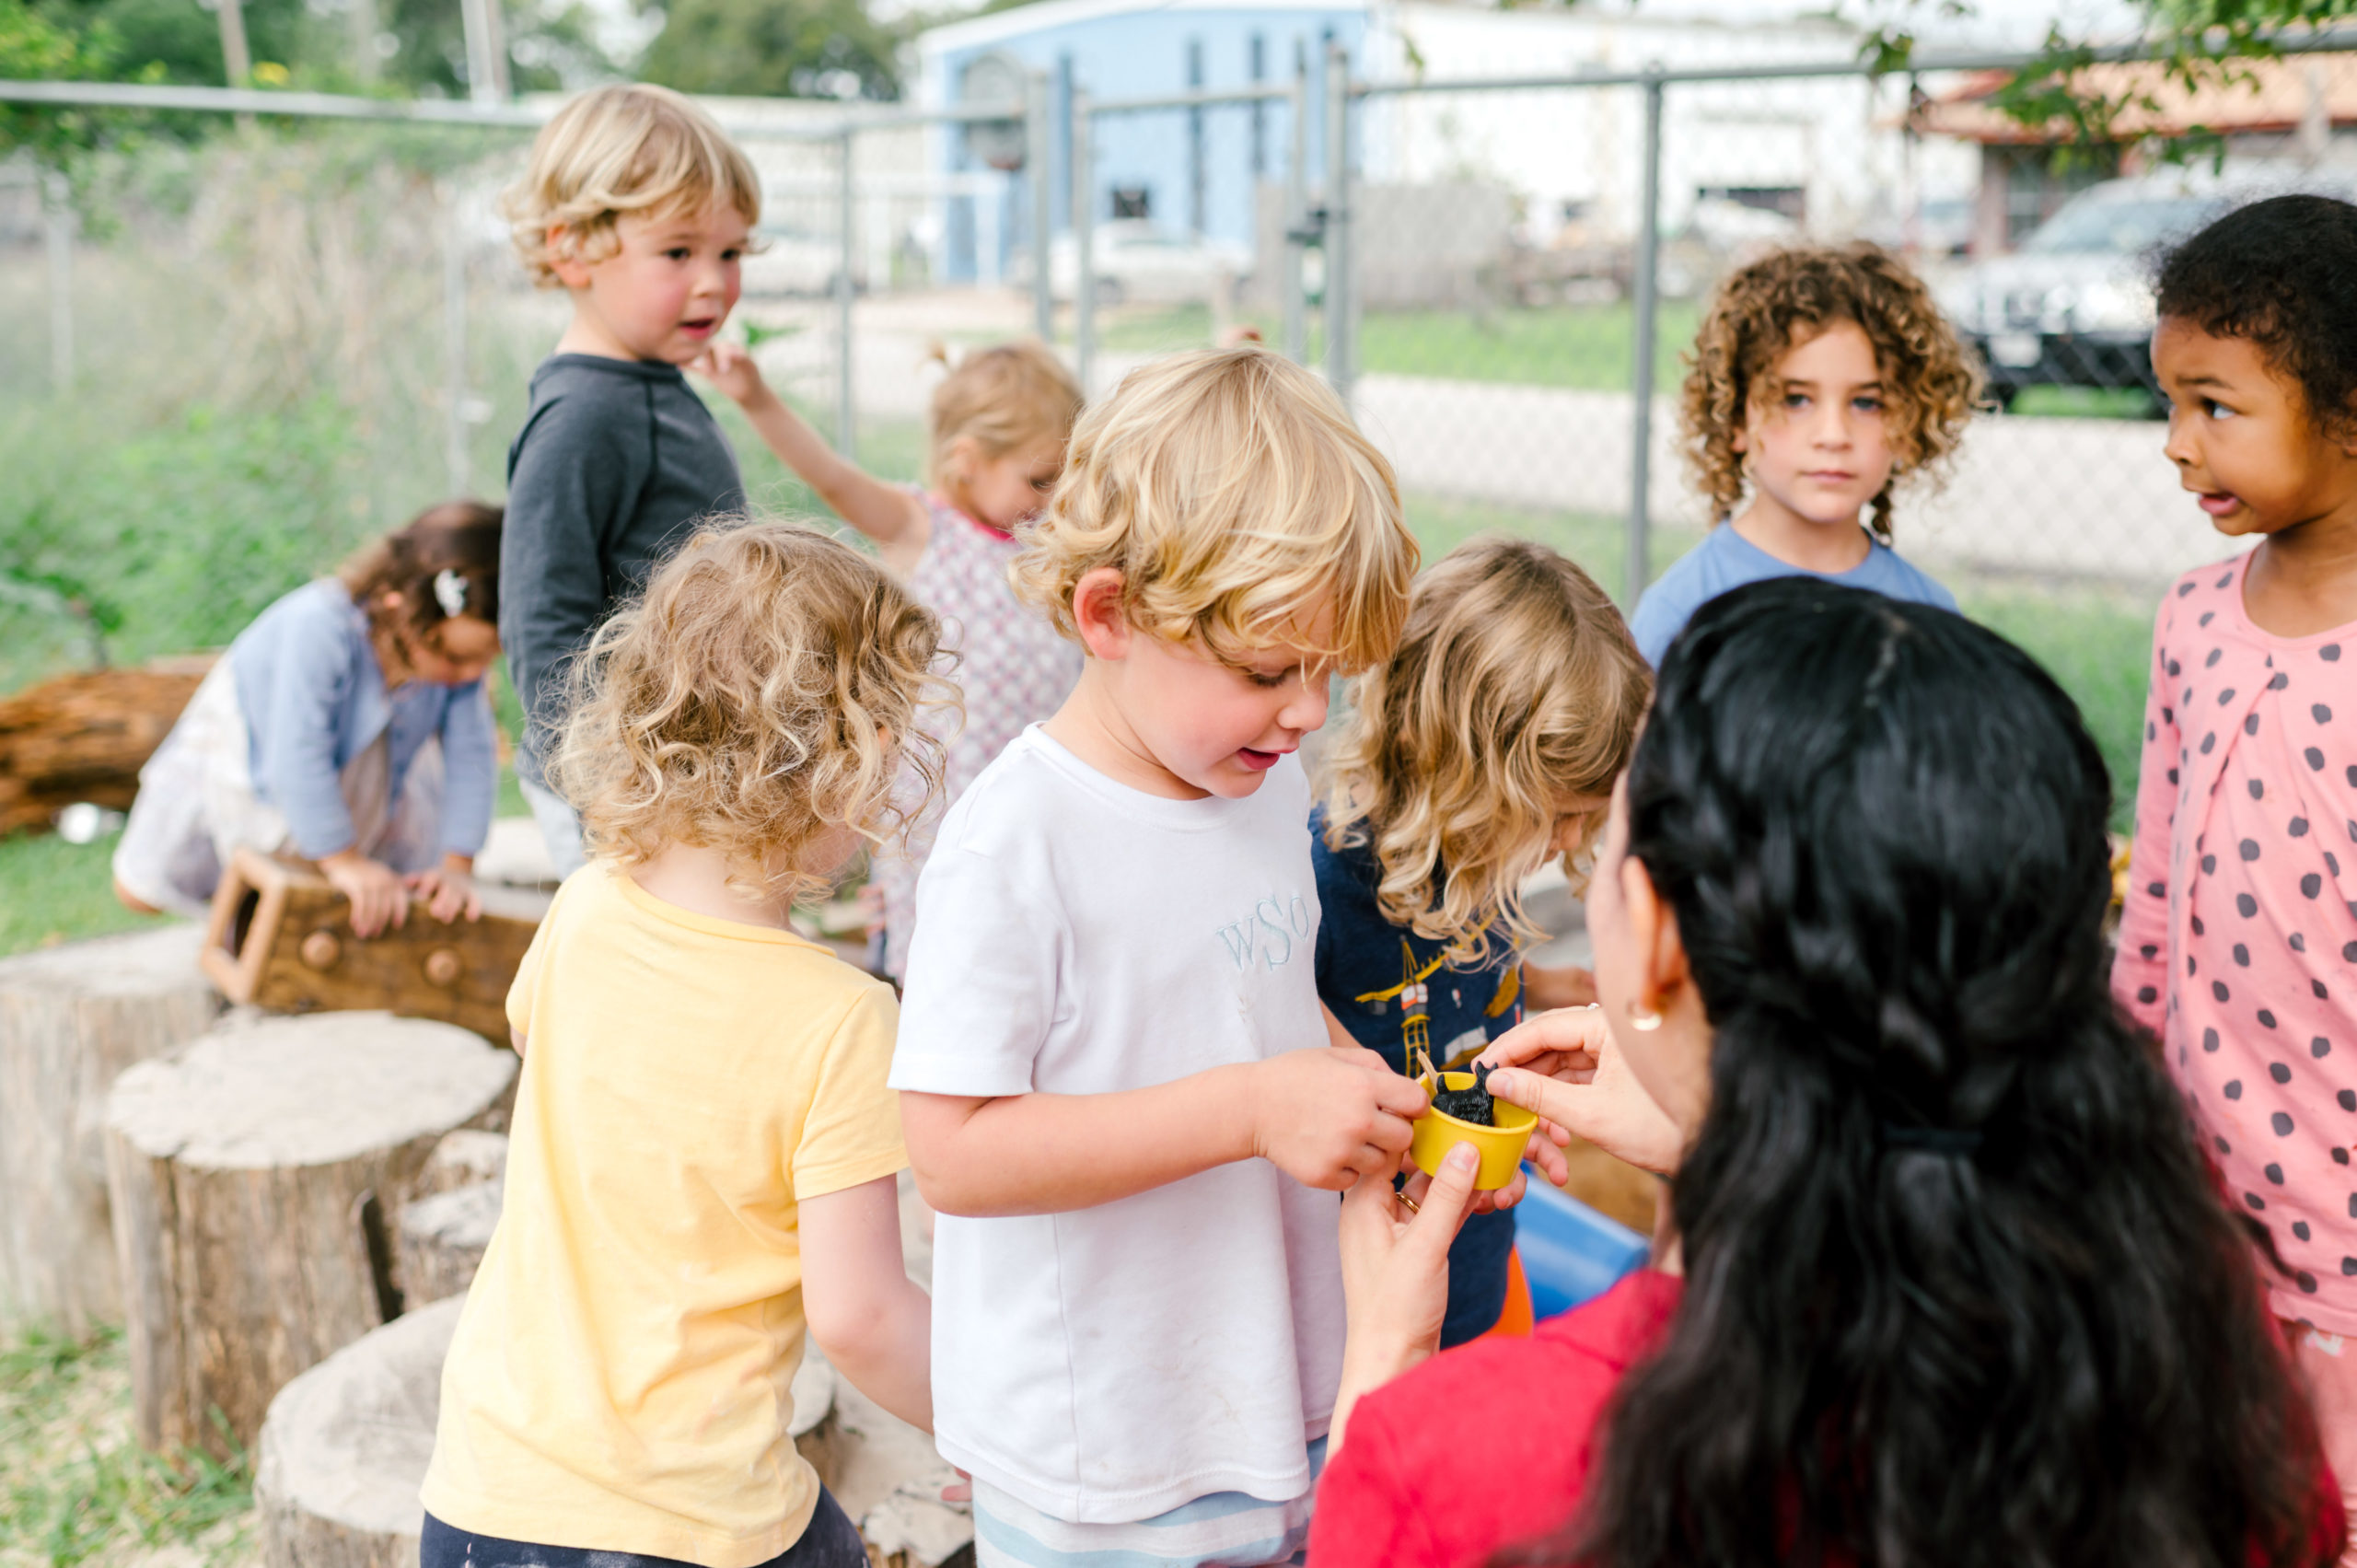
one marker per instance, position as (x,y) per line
(1118,1086)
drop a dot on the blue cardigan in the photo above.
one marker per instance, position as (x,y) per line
(314,698)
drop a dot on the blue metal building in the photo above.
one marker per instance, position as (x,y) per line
(1190,171)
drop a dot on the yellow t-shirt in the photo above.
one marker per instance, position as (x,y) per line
(619,1379)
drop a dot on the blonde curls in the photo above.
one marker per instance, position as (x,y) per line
(1762,311)
(1241,507)
(1514,689)
(763,693)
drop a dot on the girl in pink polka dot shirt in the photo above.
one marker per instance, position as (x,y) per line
(2238,941)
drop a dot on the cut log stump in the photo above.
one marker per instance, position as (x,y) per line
(346,1445)
(280,938)
(70,1019)
(463,1159)
(254,1173)
(441,1240)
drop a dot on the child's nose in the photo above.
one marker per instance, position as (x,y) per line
(2180,448)
(1307,711)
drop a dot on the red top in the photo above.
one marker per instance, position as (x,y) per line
(1387,1497)
(1406,1491)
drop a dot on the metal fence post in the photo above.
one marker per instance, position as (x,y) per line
(1038,154)
(57,231)
(1338,346)
(1641,373)
(1296,322)
(846,411)
(456,431)
(486,51)
(1083,237)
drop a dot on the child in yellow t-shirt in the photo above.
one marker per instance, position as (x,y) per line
(703,1151)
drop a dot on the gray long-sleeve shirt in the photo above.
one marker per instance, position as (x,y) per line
(616,460)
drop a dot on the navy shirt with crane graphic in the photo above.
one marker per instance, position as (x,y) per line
(1367,972)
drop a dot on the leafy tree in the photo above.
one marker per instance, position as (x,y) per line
(790,48)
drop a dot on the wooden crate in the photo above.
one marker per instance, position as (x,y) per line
(280,938)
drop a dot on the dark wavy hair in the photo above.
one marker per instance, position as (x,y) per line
(1960,1289)
(2282,273)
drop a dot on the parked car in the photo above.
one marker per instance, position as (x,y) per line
(2073,306)
(1134,260)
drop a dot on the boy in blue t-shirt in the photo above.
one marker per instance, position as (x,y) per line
(1820,377)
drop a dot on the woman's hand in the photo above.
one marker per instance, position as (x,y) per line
(1566,1067)
(448,890)
(379,900)
(1395,1275)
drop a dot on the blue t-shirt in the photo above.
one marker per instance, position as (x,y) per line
(1368,974)
(1726,559)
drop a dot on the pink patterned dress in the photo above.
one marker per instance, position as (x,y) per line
(1014,668)
(2239,940)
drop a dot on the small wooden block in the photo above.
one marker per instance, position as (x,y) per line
(280,938)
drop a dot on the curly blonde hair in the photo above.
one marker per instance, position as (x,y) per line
(1763,312)
(1514,689)
(1001,398)
(1237,500)
(763,691)
(635,148)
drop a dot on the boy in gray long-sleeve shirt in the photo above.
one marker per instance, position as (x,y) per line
(639,207)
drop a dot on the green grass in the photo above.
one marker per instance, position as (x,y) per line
(74,1484)
(2097,643)
(1587,347)
(52,891)
(2083,402)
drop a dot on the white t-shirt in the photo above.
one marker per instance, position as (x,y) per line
(1076,936)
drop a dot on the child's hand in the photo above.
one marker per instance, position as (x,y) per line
(1566,1067)
(378,898)
(1330,1115)
(732,370)
(449,891)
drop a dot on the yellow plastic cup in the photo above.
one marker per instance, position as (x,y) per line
(1501,1147)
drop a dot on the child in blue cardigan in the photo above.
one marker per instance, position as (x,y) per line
(349,725)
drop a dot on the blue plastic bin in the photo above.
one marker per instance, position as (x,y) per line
(1570,1252)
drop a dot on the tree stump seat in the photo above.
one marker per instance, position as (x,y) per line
(347,1442)
(254,1175)
(71,1018)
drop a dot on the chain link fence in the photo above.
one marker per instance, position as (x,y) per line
(226,359)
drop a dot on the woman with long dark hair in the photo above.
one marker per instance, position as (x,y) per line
(1957,1288)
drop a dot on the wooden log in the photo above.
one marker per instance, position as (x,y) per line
(346,1445)
(85,737)
(280,938)
(345,1449)
(462,1159)
(71,1018)
(440,1240)
(254,1173)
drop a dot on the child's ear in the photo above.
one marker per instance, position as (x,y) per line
(564,259)
(961,459)
(1099,615)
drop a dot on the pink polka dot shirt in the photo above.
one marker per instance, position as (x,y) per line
(2238,941)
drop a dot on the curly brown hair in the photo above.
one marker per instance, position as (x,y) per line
(1930,382)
